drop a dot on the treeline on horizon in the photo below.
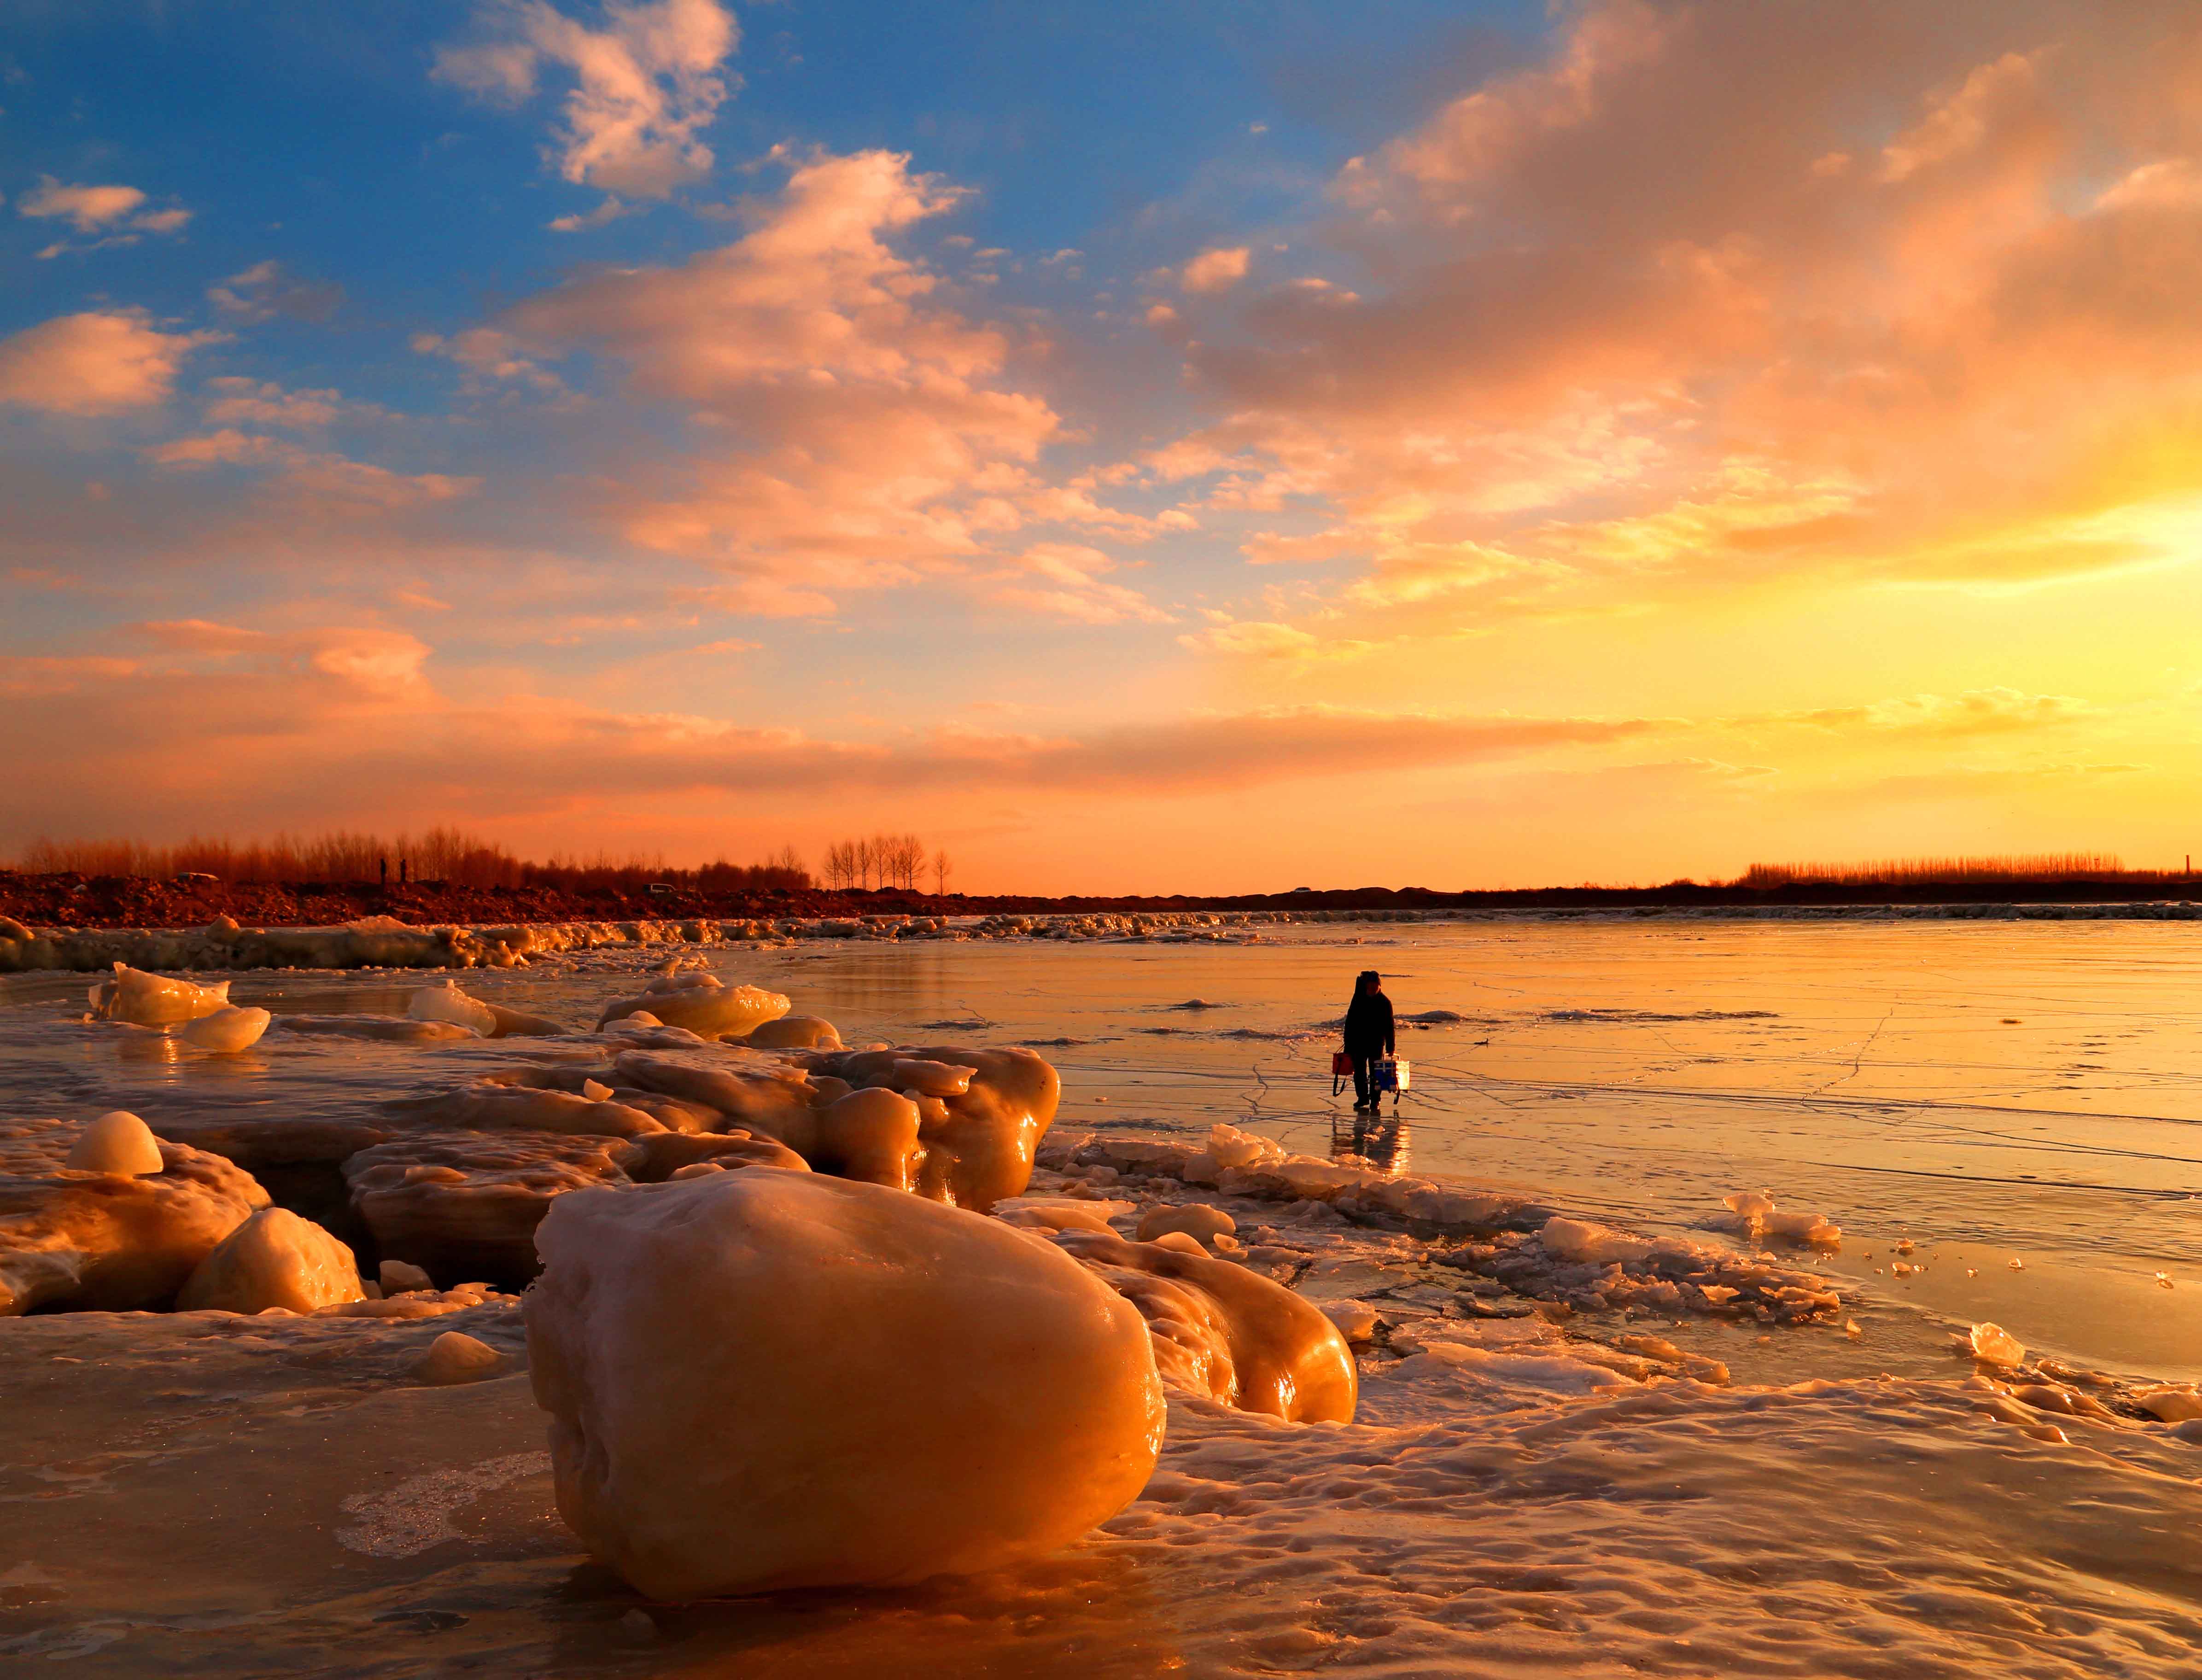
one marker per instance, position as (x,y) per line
(1950,871)
(449,856)
(453,857)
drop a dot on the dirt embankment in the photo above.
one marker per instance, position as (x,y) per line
(75,901)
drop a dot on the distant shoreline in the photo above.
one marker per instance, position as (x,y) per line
(110,902)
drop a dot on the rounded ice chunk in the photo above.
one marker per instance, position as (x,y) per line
(119,1143)
(1197,1219)
(274,1259)
(913,1390)
(228,1030)
(456,1357)
(794,1032)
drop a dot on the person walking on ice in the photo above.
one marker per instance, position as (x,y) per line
(1369,1034)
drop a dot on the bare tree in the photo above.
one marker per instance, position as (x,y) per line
(942,869)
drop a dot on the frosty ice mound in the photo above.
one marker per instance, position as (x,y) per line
(764,1379)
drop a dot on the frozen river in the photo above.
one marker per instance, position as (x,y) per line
(1993,1091)
(2017,1102)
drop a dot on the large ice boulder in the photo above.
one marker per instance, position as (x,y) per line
(1227,1333)
(762,1379)
(110,1237)
(274,1259)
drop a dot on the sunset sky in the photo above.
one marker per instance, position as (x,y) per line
(1138,446)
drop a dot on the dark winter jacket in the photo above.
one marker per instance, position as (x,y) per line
(1369,1025)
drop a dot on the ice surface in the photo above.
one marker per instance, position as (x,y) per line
(653,1159)
(70,1238)
(396,1276)
(274,1259)
(149,1000)
(1991,1344)
(389,1029)
(1470,1520)
(117,1141)
(496,1106)
(762,1379)
(466,1205)
(228,1030)
(1225,1332)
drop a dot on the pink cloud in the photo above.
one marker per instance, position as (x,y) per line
(113,213)
(645,86)
(1064,580)
(1639,325)
(87,208)
(102,362)
(342,724)
(854,430)
(1217,270)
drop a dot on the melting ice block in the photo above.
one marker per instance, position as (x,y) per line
(446,1002)
(703,1003)
(274,1259)
(980,1114)
(1226,1332)
(1756,1218)
(1991,1344)
(228,1031)
(761,1379)
(148,1000)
